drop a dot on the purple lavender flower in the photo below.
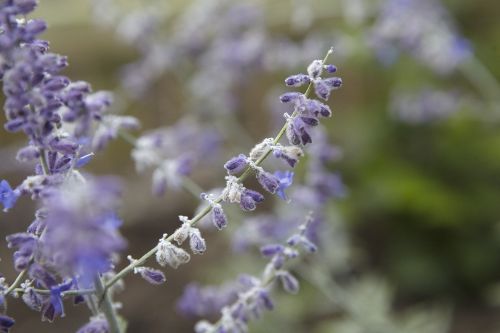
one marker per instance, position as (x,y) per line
(236,164)
(219,219)
(249,199)
(197,301)
(285,179)
(81,236)
(8,197)
(255,297)
(26,244)
(6,323)
(153,276)
(196,242)
(173,153)
(96,325)
(306,111)
(422,28)
(268,181)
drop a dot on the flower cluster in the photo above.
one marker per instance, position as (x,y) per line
(307,111)
(255,296)
(174,152)
(55,113)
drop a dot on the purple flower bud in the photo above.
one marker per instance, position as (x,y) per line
(289,282)
(292,135)
(33,300)
(196,242)
(56,83)
(96,325)
(333,82)
(315,68)
(322,89)
(265,300)
(310,120)
(271,249)
(294,240)
(297,80)
(247,203)
(64,146)
(153,276)
(6,323)
(98,102)
(301,131)
(218,217)
(256,196)
(25,6)
(14,125)
(35,27)
(330,68)
(27,154)
(236,164)
(290,97)
(268,181)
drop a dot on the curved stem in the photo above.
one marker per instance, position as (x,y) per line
(16,282)
(208,208)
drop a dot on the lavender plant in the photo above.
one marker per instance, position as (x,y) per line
(58,116)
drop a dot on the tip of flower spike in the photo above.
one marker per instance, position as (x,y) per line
(330,51)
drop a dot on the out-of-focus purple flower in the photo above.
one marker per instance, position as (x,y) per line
(174,152)
(424,106)
(82,235)
(109,128)
(96,325)
(422,28)
(285,179)
(255,297)
(6,323)
(26,244)
(8,197)
(197,301)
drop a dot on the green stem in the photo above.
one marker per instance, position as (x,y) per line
(483,80)
(16,282)
(191,187)
(207,208)
(43,162)
(126,136)
(107,306)
(63,294)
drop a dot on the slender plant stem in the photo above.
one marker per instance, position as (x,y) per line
(190,186)
(208,208)
(16,282)
(126,136)
(43,162)
(63,294)
(107,306)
